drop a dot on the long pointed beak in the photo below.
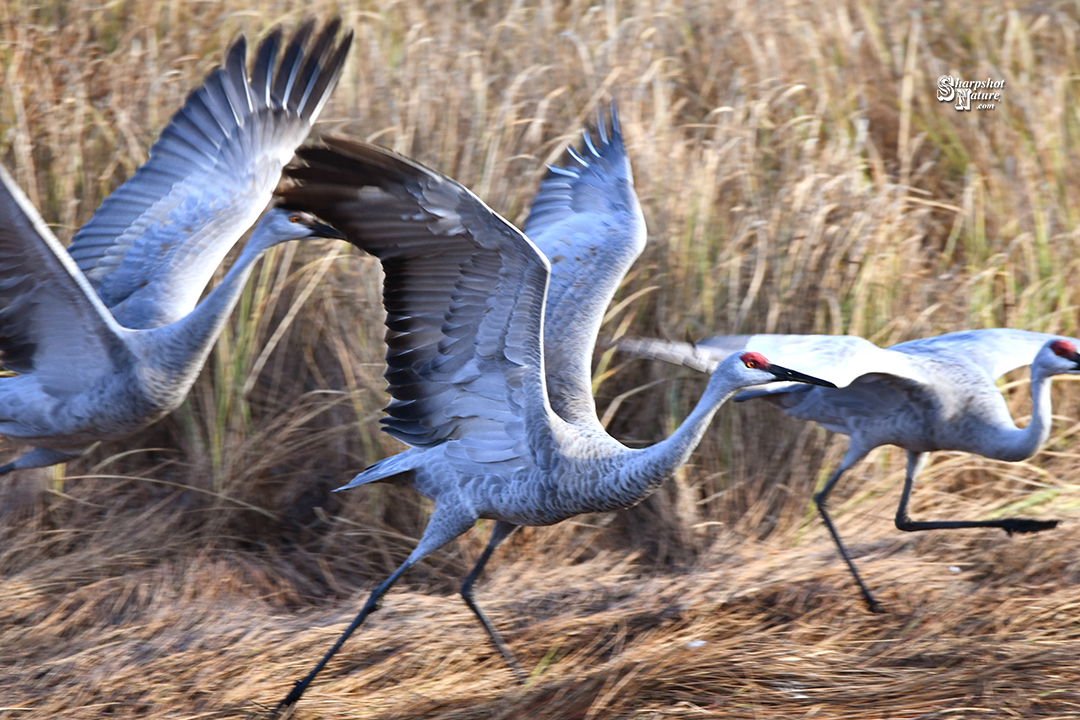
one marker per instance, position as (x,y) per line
(322,230)
(783,374)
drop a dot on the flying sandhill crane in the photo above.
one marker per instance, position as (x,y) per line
(491,436)
(106,336)
(923,395)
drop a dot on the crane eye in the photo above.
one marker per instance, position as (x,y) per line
(294,218)
(751,363)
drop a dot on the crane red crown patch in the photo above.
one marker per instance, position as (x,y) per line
(1063,348)
(754,360)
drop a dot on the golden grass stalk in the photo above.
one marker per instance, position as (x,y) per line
(797,175)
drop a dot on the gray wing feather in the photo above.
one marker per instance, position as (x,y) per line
(840,359)
(51,321)
(995,350)
(699,357)
(587,220)
(872,382)
(154,243)
(844,410)
(464,298)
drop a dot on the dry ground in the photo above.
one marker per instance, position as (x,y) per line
(797,175)
(978,626)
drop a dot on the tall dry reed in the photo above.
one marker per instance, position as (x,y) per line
(797,174)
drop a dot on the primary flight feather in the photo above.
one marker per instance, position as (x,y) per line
(106,336)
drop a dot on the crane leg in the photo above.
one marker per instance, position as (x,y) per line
(821,500)
(442,528)
(916,462)
(501,531)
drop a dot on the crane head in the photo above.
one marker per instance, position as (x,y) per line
(306,225)
(281,224)
(757,361)
(1065,358)
(1056,357)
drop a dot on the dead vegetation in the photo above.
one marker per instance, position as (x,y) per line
(797,175)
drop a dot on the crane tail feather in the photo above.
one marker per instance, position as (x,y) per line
(386,470)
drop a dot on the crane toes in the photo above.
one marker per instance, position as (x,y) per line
(281,713)
(521,678)
(1025,525)
(873,605)
(286,707)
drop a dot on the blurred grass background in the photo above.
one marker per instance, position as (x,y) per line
(797,174)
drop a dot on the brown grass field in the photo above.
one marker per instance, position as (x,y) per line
(797,174)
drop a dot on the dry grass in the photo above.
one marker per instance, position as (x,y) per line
(797,175)
(978,628)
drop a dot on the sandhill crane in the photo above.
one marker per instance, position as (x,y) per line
(464,293)
(923,395)
(106,336)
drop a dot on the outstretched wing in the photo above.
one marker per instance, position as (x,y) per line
(871,381)
(52,324)
(152,246)
(995,350)
(464,296)
(840,359)
(587,220)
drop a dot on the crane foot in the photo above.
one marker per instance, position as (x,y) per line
(876,608)
(1024,525)
(287,707)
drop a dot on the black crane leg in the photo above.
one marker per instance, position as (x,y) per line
(821,500)
(501,531)
(916,461)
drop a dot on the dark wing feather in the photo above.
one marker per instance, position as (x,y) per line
(464,297)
